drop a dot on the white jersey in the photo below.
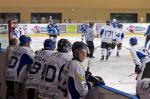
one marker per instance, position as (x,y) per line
(138,55)
(20,59)
(55,76)
(35,73)
(16,32)
(107,34)
(119,35)
(77,84)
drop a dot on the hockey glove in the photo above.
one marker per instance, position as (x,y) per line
(113,45)
(87,74)
(96,80)
(137,69)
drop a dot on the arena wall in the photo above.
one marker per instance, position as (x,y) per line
(77,10)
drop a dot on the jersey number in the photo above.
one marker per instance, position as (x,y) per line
(49,73)
(108,33)
(13,62)
(35,68)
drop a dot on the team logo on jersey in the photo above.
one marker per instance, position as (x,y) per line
(81,78)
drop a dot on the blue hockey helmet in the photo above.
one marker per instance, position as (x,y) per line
(120,25)
(133,41)
(63,45)
(49,44)
(24,39)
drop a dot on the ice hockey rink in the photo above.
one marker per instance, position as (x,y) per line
(115,72)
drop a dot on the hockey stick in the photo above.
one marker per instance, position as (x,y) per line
(88,65)
(87,72)
(97,47)
(126,77)
(125,47)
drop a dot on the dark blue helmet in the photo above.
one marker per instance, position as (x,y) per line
(120,25)
(78,46)
(49,44)
(24,39)
(133,41)
(63,45)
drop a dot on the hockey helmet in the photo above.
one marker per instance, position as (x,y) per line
(49,44)
(78,46)
(24,39)
(63,45)
(133,41)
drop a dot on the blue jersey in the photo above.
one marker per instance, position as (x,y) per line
(52,29)
(83,28)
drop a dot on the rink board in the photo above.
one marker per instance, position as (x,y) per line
(99,92)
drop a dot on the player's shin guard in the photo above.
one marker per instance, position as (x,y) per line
(108,53)
(118,51)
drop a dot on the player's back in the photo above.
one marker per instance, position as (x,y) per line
(35,73)
(119,35)
(20,58)
(55,76)
(107,33)
(139,55)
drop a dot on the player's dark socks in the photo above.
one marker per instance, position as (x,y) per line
(102,58)
(117,54)
(107,56)
(92,57)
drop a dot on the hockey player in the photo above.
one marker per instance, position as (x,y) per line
(147,35)
(119,38)
(114,23)
(35,73)
(142,68)
(13,43)
(83,29)
(107,35)
(147,41)
(16,30)
(53,30)
(89,37)
(55,75)
(78,84)
(136,54)
(19,60)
